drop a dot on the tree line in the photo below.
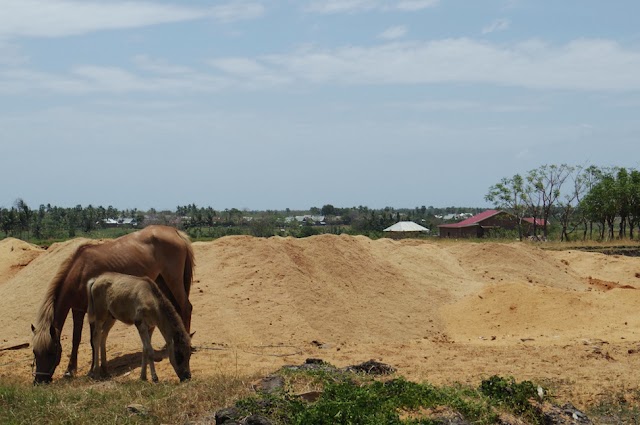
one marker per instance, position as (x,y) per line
(566,201)
(579,202)
(49,223)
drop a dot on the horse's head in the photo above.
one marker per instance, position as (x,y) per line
(47,352)
(179,356)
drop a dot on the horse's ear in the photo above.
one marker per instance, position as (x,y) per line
(33,328)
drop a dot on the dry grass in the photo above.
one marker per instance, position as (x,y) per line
(85,401)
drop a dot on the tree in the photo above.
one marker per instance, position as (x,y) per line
(600,204)
(545,184)
(38,222)
(568,205)
(328,210)
(509,194)
(623,199)
(8,220)
(262,227)
(24,215)
(634,201)
(88,218)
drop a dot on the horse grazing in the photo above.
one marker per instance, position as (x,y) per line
(135,300)
(160,253)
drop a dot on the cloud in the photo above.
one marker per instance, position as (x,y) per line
(242,66)
(236,11)
(582,65)
(11,55)
(159,66)
(393,33)
(90,79)
(411,5)
(578,65)
(497,25)
(465,105)
(59,18)
(249,73)
(353,6)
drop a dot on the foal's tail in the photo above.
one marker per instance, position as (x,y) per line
(91,313)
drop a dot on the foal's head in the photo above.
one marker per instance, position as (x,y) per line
(180,354)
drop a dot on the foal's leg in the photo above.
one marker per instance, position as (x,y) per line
(93,347)
(147,352)
(78,322)
(106,327)
(96,343)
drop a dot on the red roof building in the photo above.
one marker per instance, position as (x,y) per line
(485,223)
(479,225)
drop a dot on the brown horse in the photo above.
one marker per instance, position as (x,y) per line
(160,253)
(135,301)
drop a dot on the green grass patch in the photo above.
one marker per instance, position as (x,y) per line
(344,398)
(356,399)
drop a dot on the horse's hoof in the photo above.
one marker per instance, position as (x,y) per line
(68,374)
(155,379)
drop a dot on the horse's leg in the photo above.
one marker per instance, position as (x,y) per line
(78,322)
(106,328)
(147,352)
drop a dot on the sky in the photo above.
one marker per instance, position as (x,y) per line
(275,104)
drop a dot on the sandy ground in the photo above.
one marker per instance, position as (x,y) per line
(437,311)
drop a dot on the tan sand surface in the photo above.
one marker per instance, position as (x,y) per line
(438,311)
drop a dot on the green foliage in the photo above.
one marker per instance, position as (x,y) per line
(358,400)
(514,395)
(346,403)
(262,227)
(574,198)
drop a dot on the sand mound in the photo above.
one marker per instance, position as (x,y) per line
(517,263)
(439,311)
(21,295)
(15,254)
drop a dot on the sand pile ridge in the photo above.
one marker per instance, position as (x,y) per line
(438,311)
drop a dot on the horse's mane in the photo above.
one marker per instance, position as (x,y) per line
(189,263)
(171,314)
(45,315)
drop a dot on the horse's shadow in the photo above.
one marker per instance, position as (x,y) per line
(126,363)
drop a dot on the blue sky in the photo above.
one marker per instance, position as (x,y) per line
(292,104)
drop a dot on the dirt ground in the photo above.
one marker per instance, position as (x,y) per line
(437,311)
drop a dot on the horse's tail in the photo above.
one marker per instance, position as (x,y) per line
(189,263)
(91,313)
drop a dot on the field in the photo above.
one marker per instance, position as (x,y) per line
(438,311)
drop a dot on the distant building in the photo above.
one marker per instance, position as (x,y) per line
(478,225)
(482,224)
(313,219)
(403,229)
(120,222)
(406,226)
